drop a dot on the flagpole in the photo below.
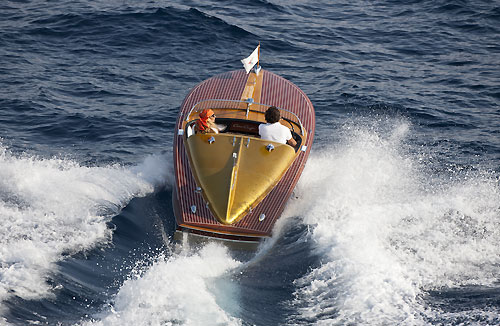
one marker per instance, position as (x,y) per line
(258,56)
(258,60)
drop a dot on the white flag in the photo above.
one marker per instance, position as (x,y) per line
(249,62)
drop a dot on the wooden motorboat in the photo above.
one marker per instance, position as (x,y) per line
(233,186)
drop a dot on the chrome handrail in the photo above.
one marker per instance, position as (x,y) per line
(247,109)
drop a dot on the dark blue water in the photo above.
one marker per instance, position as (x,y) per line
(394,221)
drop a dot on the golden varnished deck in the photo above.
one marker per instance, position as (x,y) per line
(235,172)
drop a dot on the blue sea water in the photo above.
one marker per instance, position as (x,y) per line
(395,220)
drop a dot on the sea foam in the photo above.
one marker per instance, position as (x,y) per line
(388,231)
(175,290)
(52,207)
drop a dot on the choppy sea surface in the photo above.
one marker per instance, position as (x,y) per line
(395,220)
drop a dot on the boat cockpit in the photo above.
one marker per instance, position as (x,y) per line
(242,118)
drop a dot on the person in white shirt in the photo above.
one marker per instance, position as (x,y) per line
(273,130)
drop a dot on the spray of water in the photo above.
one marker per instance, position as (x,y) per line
(178,290)
(53,207)
(389,231)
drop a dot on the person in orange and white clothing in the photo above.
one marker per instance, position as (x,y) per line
(273,130)
(206,123)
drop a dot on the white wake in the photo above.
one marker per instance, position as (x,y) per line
(388,230)
(178,290)
(52,207)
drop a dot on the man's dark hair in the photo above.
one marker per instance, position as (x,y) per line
(272,115)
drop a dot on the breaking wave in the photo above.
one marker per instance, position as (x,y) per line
(178,290)
(54,207)
(389,232)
